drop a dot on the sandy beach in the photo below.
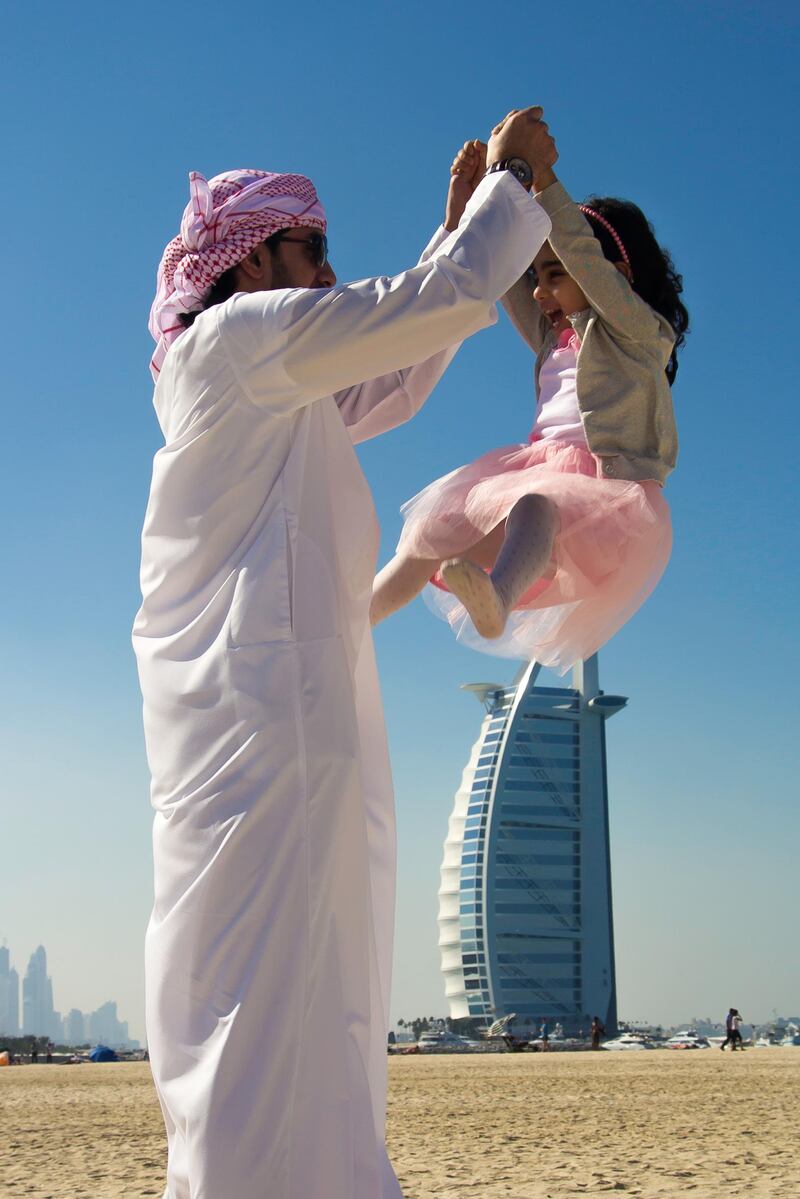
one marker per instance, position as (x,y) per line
(521,1127)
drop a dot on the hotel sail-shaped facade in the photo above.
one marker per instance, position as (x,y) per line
(525,899)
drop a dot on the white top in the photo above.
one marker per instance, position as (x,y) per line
(268,954)
(558,416)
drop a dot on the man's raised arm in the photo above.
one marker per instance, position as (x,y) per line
(293,347)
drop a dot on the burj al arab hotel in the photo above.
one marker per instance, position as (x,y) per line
(525,915)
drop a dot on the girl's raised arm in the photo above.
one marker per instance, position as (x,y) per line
(526,315)
(605,286)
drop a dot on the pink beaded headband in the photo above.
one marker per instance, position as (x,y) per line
(601,220)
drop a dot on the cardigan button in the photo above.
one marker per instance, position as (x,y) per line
(608,467)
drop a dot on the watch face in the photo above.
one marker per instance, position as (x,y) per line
(521,169)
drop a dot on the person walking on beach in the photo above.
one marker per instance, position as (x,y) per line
(544,1035)
(597,1032)
(733,1034)
(273,833)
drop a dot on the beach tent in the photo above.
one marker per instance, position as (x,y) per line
(5,1059)
(102,1053)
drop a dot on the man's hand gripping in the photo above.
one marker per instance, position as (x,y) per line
(521,134)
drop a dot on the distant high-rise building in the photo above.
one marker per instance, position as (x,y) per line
(9,996)
(525,898)
(57,1028)
(74,1028)
(13,1002)
(105,1028)
(37,997)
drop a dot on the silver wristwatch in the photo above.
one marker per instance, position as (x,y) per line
(518,167)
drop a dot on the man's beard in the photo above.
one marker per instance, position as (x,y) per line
(280,275)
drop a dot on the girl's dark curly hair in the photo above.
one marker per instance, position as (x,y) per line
(654,276)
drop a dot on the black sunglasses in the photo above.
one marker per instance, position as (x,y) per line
(317,245)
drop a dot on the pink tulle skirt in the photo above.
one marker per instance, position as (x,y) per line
(613,543)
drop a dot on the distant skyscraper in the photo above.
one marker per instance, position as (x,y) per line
(37,997)
(13,1001)
(5,987)
(9,996)
(105,1027)
(57,1028)
(74,1028)
(525,899)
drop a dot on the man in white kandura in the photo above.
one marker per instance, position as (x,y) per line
(269,948)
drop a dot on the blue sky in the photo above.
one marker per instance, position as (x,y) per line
(684,108)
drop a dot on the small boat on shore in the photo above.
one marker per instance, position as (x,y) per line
(687,1039)
(627,1041)
(443,1041)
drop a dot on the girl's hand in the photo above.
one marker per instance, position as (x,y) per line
(469,167)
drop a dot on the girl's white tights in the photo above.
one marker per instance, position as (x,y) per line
(524,554)
(530,530)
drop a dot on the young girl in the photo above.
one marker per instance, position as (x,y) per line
(544,550)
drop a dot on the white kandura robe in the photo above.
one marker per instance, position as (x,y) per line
(268,953)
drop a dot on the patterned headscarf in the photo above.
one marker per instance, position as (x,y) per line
(226,218)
